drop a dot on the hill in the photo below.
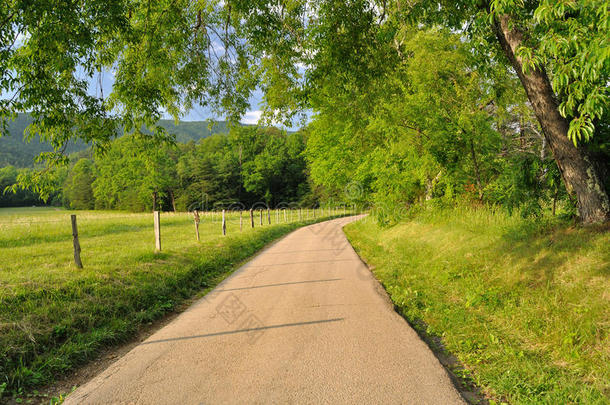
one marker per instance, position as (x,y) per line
(16,151)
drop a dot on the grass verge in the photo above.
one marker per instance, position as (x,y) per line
(54,317)
(523,305)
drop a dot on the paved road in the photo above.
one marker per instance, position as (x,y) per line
(303,322)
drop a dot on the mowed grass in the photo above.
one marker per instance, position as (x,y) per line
(54,316)
(524,306)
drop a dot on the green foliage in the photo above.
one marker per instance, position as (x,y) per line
(17,151)
(417,131)
(77,187)
(247,166)
(567,38)
(165,56)
(45,183)
(360,61)
(130,173)
(572,41)
(275,168)
(8,178)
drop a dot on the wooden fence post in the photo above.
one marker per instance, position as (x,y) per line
(224,223)
(260,214)
(157,220)
(77,260)
(268,216)
(252,217)
(285,220)
(196,215)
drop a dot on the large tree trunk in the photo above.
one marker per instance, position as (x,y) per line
(577,170)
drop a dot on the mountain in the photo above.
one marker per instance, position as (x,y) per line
(187,131)
(15,151)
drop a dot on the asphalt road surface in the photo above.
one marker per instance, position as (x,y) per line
(303,322)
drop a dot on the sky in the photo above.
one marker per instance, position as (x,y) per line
(198,113)
(101,84)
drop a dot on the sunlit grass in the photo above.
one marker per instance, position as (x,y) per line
(525,305)
(54,316)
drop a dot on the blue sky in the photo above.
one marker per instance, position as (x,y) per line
(102,83)
(105,80)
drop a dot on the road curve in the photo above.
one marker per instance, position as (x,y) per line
(302,322)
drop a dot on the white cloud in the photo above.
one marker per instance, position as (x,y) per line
(251,117)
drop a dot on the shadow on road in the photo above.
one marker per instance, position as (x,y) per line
(278,284)
(231,332)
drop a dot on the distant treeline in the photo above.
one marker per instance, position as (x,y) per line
(20,198)
(246,166)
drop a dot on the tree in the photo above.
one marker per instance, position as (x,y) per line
(168,55)
(565,38)
(134,175)
(77,187)
(533,38)
(246,166)
(163,55)
(414,130)
(276,168)
(8,178)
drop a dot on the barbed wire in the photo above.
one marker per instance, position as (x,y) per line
(84,218)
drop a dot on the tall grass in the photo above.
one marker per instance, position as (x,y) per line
(54,316)
(523,304)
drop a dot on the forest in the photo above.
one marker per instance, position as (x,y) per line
(504,104)
(235,170)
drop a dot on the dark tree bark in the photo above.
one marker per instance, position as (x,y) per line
(171,194)
(579,173)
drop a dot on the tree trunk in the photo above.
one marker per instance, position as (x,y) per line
(430,183)
(171,194)
(577,170)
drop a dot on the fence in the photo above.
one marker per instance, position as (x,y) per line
(97,224)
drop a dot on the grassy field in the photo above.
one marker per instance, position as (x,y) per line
(54,316)
(524,306)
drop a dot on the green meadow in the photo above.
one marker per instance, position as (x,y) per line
(54,316)
(523,305)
